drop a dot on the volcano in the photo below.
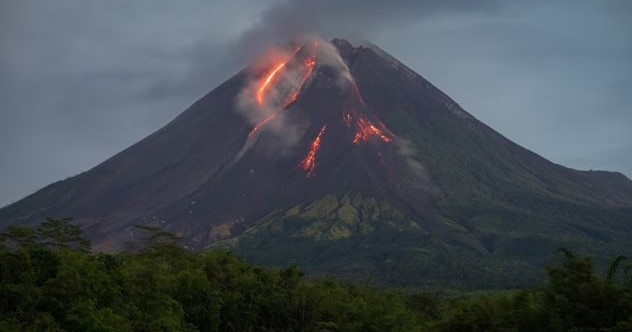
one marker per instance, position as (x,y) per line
(344,161)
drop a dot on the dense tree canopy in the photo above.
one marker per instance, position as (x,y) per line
(49,281)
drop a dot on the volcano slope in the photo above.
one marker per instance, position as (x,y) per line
(344,161)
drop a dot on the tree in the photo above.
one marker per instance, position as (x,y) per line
(157,241)
(19,236)
(62,233)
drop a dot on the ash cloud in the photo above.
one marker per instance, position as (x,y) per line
(353,20)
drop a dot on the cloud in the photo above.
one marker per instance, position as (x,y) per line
(353,20)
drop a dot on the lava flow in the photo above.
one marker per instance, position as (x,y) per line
(309,65)
(265,83)
(309,162)
(261,123)
(288,79)
(366,129)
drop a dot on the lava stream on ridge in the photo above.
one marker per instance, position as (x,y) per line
(309,162)
(270,80)
(265,83)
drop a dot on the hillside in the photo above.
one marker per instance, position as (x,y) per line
(405,187)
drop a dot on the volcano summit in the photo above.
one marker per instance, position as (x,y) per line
(344,161)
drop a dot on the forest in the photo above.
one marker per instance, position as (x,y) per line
(50,281)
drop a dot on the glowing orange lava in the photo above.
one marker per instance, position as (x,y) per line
(309,162)
(357,115)
(366,129)
(262,123)
(265,83)
(309,65)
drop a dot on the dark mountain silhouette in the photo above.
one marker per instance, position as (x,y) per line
(357,169)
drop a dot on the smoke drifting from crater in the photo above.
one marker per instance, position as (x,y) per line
(352,20)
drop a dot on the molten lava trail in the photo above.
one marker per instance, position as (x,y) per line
(309,162)
(366,129)
(262,123)
(265,83)
(309,65)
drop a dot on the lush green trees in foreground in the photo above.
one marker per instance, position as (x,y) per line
(49,281)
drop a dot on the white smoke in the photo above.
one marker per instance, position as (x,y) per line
(330,57)
(406,149)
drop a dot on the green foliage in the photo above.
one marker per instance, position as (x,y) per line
(50,285)
(61,233)
(573,299)
(54,286)
(20,236)
(154,239)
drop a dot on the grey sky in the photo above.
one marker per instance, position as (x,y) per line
(80,81)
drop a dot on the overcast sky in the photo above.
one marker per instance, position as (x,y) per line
(82,80)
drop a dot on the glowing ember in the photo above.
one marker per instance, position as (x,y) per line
(366,129)
(291,99)
(309,64)
(265,83)
(309,162)
(262,123)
